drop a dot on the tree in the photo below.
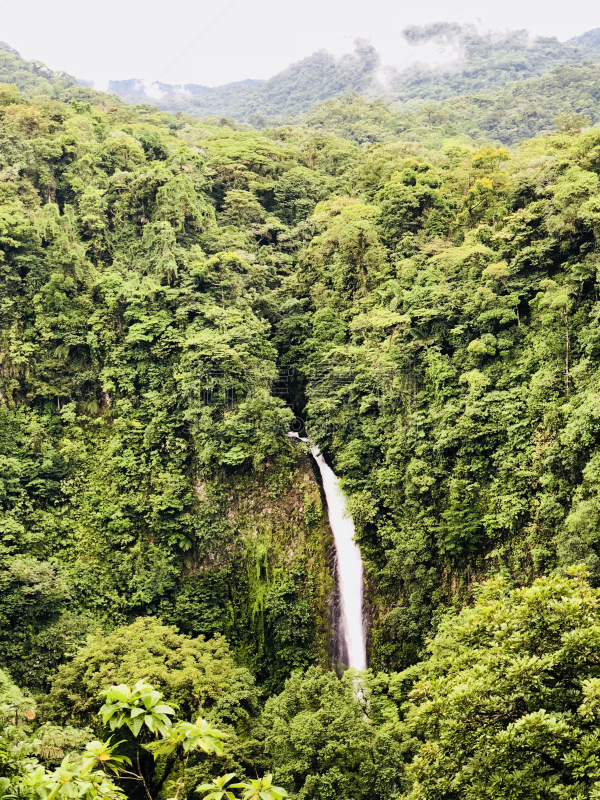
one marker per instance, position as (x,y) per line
(71,779)
(92,773)
(261,789)
(21,775)
(242,209)
(348,255)
(507,704)
(571,123)
(557,299)
(144,712)
(409,196)
(319,743)
(193,674)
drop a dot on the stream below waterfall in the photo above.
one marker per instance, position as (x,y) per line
(349,564)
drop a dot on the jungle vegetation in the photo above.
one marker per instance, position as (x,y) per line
(176,294)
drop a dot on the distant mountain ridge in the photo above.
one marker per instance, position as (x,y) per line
(589,39)
(134,88)
(489,61)
(291,92)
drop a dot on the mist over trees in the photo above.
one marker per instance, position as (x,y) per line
(479,63)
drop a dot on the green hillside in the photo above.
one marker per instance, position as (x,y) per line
(37,80)
(505,88)
(589,39)
(483,63)
(565,96)
(423,303)
(289,93)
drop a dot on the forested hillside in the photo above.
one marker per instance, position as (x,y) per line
(290,93)
(503,88)
(36,78)
(483,61)
(479,63)
(589,39)
(564,99)
(176,296)
(492,92)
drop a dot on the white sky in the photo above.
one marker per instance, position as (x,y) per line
(228,40)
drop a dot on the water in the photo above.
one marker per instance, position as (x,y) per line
(349,564)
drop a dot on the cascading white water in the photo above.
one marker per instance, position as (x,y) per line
(349,564)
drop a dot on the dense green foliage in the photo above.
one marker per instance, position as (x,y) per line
(321,744)
(507,704)
(425,303)
(452,299)
(565,98)
(522,109)
(197,676)
(125,490)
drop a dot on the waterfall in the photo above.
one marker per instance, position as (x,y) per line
(349,564)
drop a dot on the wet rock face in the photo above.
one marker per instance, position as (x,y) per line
(274,559)
(338,653)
